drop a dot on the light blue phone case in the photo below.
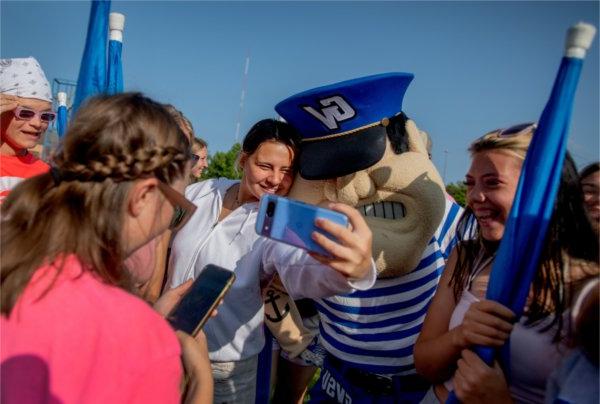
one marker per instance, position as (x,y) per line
(292,222)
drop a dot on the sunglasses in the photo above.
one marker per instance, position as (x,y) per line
(517,130)
(183,208)
(28,114)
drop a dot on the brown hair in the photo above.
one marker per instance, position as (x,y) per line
(78,207)
(199,143)
(184,124)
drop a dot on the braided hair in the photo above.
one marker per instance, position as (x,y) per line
(78,208)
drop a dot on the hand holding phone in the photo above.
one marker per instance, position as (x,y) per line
(351,254)
(293,222)
(197,304)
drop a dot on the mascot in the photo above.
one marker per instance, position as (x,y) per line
(359,148)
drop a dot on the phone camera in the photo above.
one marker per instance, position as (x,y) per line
(270,209)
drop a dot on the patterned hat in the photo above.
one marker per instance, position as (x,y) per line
(342,125)
(24,77)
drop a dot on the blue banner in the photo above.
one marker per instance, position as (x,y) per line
(61,120)
(92,72)
(115,69)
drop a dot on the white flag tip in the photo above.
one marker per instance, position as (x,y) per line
(116,21)
(579,40)
(62,98)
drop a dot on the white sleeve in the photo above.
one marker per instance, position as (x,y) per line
(303,276)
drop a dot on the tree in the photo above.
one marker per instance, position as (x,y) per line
(222,164)
(458,190)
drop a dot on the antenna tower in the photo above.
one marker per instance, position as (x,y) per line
(242,96)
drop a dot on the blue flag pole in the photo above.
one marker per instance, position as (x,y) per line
(92,72)
(61,118)
(115,47)
(517,260)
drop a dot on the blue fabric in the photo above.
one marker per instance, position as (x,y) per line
(370,99)
(61,121)
(517,261)
(115,68)
(92,72)
(263,372)
(575,381)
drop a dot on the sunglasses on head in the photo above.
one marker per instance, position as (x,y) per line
(517,130)
(183,208)
(28,114)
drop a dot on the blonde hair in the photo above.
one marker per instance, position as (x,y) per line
(78,207)
(516,145)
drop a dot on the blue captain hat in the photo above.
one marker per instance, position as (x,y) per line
(343,125)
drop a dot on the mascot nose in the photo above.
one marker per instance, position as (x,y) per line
(363,184)
(351,188)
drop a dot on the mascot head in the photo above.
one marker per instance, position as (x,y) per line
(358,147)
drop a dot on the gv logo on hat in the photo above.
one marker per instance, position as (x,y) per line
(335,110)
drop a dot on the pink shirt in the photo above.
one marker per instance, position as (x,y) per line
(86,342)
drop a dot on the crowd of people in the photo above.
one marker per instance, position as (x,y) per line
(99,243)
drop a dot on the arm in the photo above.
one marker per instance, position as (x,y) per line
(437,349)
(194,352)
(310,275)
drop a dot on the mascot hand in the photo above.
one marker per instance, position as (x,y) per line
(351,256)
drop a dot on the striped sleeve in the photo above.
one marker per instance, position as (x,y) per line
(446,233)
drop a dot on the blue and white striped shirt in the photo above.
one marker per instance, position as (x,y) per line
(375,330)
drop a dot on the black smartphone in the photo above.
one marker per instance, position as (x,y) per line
(194,308)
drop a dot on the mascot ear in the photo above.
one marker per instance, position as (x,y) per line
(417,140)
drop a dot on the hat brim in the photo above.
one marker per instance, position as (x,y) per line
(343,155)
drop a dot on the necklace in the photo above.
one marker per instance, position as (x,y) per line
(233,197)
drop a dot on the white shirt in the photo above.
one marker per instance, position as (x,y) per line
(237,333)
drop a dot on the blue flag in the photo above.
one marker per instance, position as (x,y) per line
(115,69)
(92,72)
(61,120)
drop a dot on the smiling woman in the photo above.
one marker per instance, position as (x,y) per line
(221,232)
(460,317)
(267,161)
(25,113)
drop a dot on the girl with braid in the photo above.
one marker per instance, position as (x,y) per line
(72,330)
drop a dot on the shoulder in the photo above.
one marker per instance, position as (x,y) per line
(23,166)
(83,307)
(205,188)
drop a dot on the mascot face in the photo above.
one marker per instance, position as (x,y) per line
(357,148)
(401,197)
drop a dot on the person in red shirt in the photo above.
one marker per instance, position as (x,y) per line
(25,114)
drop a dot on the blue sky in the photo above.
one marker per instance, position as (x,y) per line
(477,65)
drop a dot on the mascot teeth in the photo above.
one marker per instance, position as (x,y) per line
(383,210)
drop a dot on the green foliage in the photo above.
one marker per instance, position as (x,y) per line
(458,191)
(222,164)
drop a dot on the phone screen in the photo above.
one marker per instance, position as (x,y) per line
(201,299)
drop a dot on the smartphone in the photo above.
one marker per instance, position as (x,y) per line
(293,222)
(195,306)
